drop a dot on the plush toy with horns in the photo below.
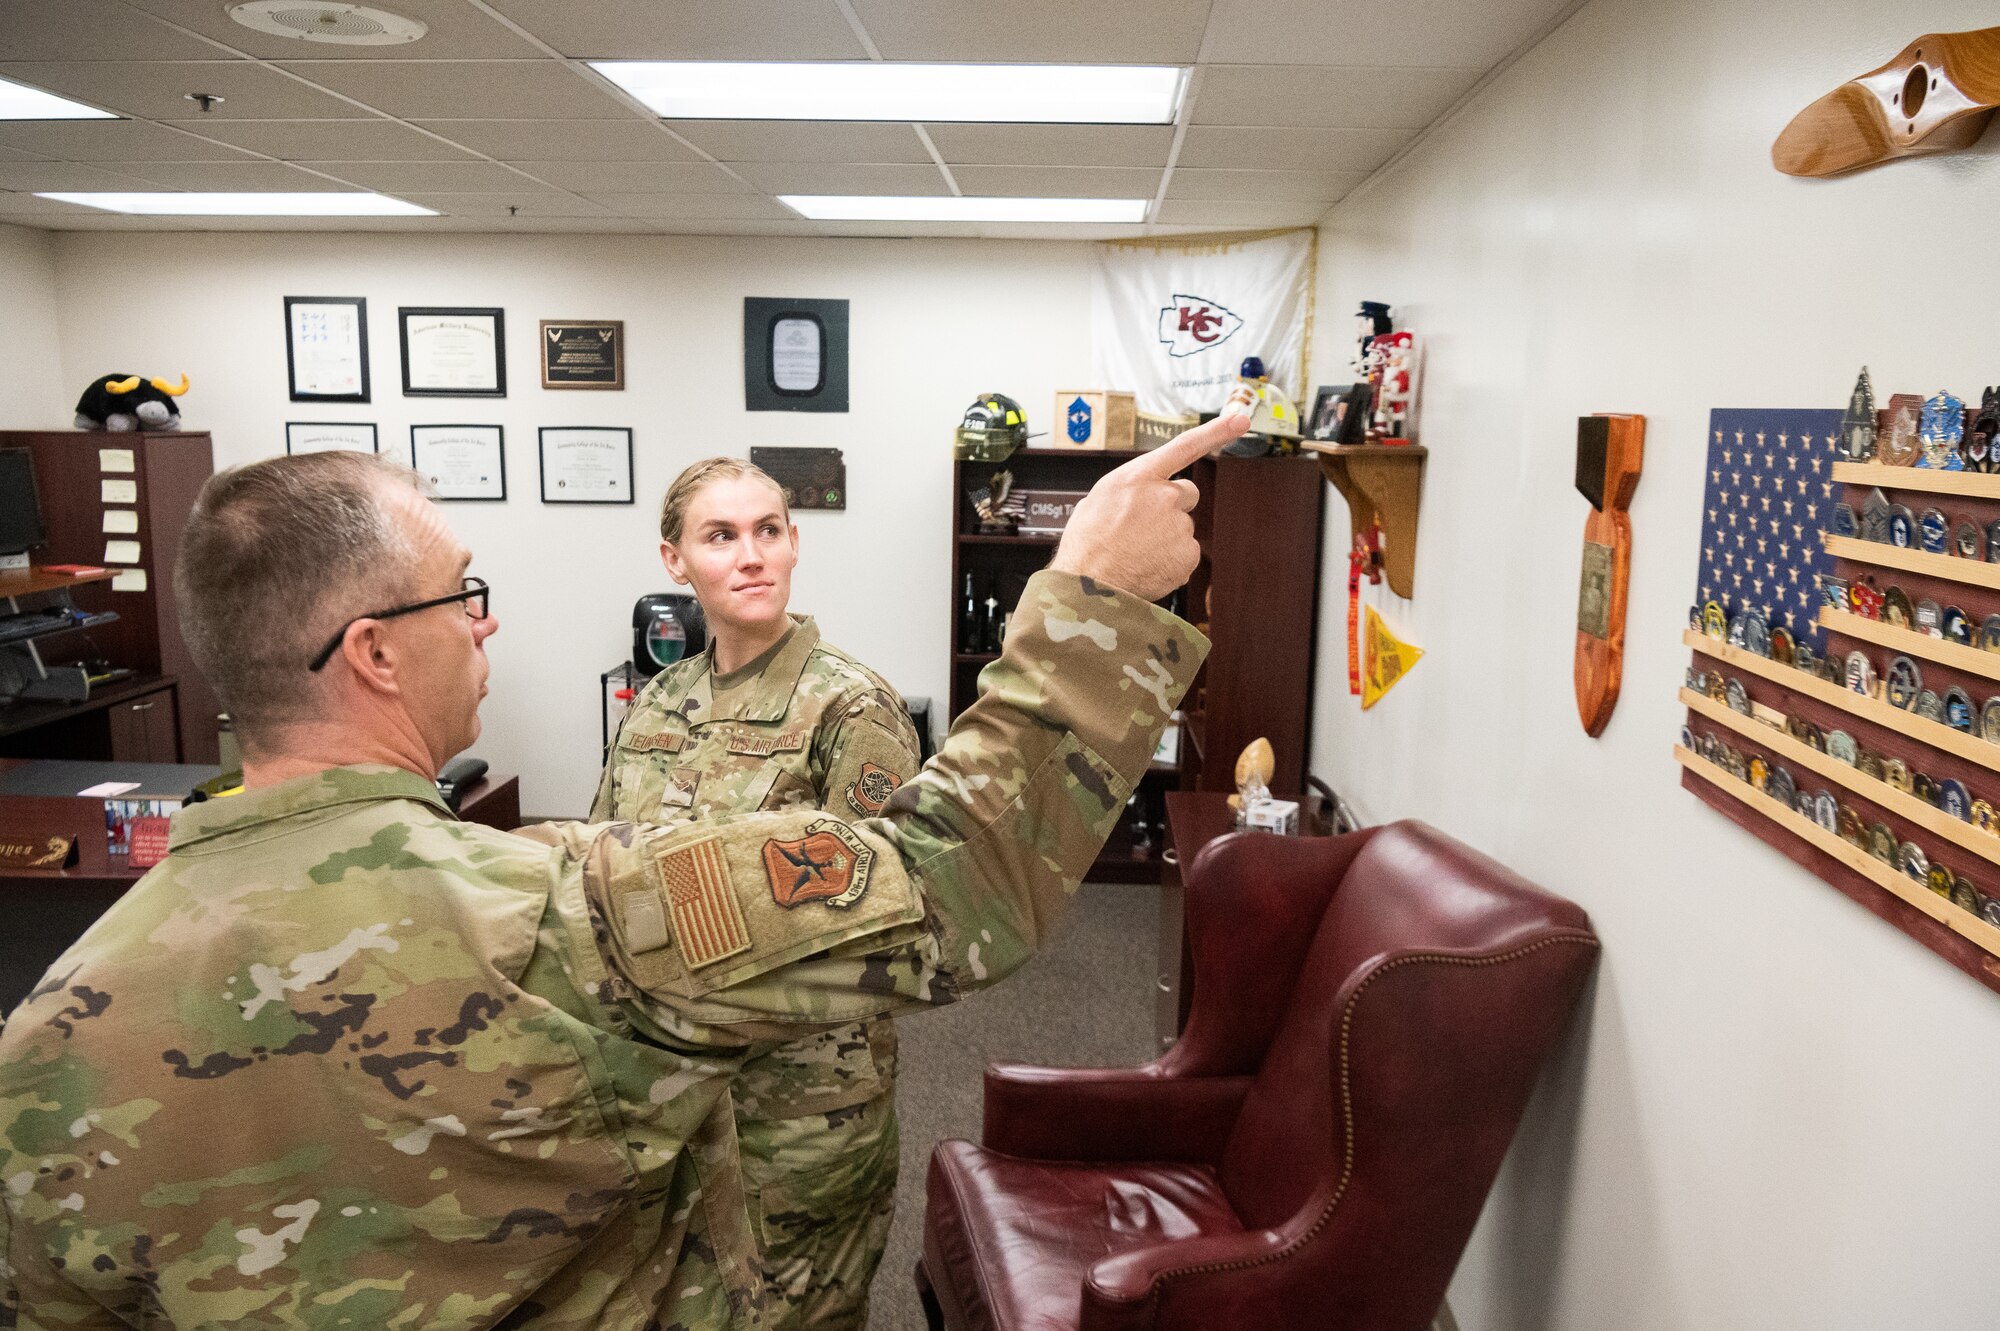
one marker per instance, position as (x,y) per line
(128,402)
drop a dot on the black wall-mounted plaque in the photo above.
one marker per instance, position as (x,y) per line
(579,353)
(811,477)
(794,354)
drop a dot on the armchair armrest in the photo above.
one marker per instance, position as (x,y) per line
(1125,1292)
(1109,1113)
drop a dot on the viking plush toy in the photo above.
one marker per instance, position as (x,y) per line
(127,402)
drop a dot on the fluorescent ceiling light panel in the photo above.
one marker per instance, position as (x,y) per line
(162,203)
(945,208)
(878,90)
(20,102)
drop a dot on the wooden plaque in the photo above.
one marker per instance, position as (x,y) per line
(1610,450)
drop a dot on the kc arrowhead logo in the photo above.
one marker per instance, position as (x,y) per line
(1193,324)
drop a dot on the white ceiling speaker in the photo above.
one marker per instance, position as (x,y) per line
(326,21)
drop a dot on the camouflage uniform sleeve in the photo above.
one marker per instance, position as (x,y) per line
(33,1294)
(770,924)
(607,788)
(871,751)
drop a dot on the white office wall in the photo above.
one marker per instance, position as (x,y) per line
(1776,1111)
(33,393)
(933,322)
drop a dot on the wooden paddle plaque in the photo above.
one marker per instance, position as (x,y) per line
(1935,96)
(1610,449)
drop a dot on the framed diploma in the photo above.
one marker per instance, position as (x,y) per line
(331,436)
(586,464)
(794,354)
(583,354)
(326,348)
(453,352)
(461,461)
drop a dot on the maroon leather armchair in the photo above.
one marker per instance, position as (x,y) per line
(1370,1014)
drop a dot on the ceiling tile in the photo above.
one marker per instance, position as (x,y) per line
(63,176)
(435,177)
(458,31)
(65,29)
(627,140)
(468,90)
(227,176)
(16,204)
(1346,98)
(530,204)
(329,140)
(1354,32)
(1262,186)
(19,155)
(841,178)
(695,205)
(636,177)
(113,141)
(1060,182)
(802,140)
(1054,145)
(157,90)
(738,227)
(710,30)
(1204,213)
(1290,149)
(525,225)
(1158,32)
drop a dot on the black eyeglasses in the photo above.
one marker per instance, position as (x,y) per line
(474,593)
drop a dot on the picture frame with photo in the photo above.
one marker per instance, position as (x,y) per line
(1329,405)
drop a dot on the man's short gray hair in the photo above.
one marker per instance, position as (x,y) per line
(276,556)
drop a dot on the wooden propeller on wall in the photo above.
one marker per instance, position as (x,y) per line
(1936,96)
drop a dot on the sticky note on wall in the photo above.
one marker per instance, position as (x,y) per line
(116,459)
(121,522)
(120,492)
(121,552)
(131,580)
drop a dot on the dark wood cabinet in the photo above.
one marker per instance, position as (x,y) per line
(145,729)
(168,471)
(1255,594)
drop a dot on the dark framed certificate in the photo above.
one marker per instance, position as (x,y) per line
(586,464)
(461,461)
(326,348)
(794,354)
(331,437)
(583,353)
(453,352)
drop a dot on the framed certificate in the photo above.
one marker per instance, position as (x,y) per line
(578,354)
(461,461)
(326,348)
(331,436)
(794,354)
(453,352)
(586,464)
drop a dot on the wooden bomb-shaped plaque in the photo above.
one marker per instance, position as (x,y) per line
(1610,450)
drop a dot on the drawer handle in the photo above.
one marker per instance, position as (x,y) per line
(142,707)
(1170,856)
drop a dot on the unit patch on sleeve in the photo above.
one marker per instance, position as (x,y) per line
(830,864)
(707,920)
(872,789)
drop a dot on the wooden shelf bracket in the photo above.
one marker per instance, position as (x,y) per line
(1382,483)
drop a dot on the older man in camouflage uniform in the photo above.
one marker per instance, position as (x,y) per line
(341,1060)
(804,724)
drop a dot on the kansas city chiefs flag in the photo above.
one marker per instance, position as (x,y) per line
(1172,321)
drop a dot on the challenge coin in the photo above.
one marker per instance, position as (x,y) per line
(1845,522)
(1860,674)
(1757,633)
(1714,687)
(1737,697)
(1929,619)
(1840,746)
(1896,608)
(1903,682)
(1781,646)
(1780,786)
(1938,879)
(1967,540)
(1924,788)
(1989,633)
(1933,532)
(1760,772)
(1713,623)
(1958,712)
(1914,863)
(1826,811)
(1989,721)
(1983,817)
(1957,628)
(1882,842)
(1902,528)
(1964,895)
(1851,829)
(1930,707)
(1875,513)
(1955,800)
(1897,773)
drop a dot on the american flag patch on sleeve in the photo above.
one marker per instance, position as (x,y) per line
(707,920)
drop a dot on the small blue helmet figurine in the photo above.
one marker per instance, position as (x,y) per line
(1253,368)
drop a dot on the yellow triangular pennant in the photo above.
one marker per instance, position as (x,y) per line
(1385,659)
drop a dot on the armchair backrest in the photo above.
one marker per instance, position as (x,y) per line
(1434,987)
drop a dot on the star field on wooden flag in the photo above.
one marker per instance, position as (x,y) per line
(1768,494)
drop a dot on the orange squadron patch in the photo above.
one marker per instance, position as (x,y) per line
(829,864)
(870,791)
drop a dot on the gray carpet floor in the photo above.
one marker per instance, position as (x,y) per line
(1087,1001)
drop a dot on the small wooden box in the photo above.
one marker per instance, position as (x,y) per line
(1094,418)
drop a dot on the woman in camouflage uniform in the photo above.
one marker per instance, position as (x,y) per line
(770,717)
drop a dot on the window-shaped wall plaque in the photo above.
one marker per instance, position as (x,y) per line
(794,354)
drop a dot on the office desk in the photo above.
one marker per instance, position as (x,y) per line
(43,911)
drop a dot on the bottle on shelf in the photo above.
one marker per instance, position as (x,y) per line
(968,619)
(989,633)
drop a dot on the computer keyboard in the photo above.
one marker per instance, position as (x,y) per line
(40,623)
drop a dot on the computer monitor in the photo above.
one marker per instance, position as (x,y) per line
(20,508)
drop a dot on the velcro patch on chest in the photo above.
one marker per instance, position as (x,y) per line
(830,865)
(707,920)
(754,745)
(682,783)
(667,742)
(871,790)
